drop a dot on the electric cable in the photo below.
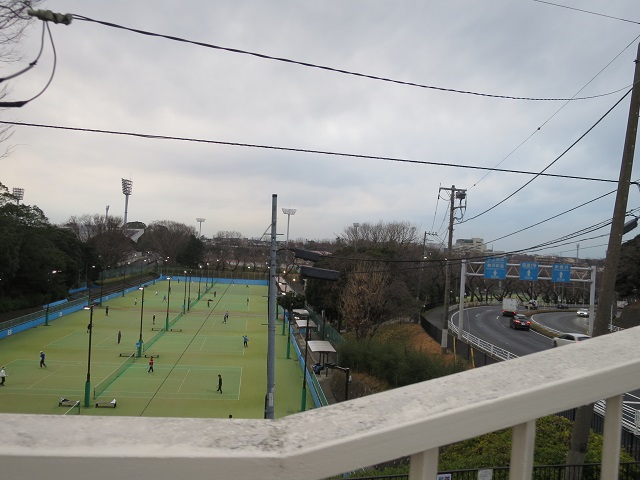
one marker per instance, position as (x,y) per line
(32,64)
(558,110)
(332,69)
(22,103)
(300,150)
(552,163)
(587,11)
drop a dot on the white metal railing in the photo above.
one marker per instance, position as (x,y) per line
(630,414)
(411,421)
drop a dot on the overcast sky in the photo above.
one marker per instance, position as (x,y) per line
(112,79)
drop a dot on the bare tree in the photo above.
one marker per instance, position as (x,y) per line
(13,24)
(168,238)
(365,300)
(105,234)
(397,235)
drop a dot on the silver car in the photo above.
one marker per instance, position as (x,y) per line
(583,312)
(568,338)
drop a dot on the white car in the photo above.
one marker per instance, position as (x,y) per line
(583,312)
(568,338)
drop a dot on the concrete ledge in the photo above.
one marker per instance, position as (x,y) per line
(326,441)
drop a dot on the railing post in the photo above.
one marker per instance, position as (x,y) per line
(611,438)
(524,436)
(424,465)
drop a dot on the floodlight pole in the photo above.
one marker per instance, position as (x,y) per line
(87,385)
(141,315)
(288,212)
(166,323)
(200,220)
(126,189)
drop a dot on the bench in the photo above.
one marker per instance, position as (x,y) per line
(65,402)
(151,356)
(111,404)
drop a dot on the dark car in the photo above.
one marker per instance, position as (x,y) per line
(562,306)
(519,321)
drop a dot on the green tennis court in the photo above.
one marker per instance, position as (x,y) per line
(200,345)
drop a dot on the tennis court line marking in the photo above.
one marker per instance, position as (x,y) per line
(183,380)
(43,378)
(58,339)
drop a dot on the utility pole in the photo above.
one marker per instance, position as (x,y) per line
(461,195)
(606,292)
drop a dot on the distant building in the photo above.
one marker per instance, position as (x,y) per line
(475,244)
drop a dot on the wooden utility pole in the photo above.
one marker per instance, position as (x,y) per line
(581,424)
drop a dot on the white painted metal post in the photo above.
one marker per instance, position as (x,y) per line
(424,465)
(463,278)
(611,438)
(524,437)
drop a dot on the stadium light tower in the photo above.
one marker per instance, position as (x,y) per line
(288,212)
(19,194)
(200,220)
(126,189)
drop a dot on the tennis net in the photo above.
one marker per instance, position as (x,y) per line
(104,384)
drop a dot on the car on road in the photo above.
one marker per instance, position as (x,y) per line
(562,306)
(519,321)
(568,338)
(583,312)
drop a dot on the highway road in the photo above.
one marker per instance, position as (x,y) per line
(488,324)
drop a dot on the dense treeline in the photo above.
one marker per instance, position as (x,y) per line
(32,249)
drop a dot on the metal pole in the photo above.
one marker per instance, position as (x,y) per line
(141,315)
(303,405)
(271,334)
(189,297)
(463,277)
(87,385)
(101,284)
(166,323)
(184,301)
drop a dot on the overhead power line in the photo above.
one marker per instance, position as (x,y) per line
(301,150)
(337,70)
(587,11)
(550,164)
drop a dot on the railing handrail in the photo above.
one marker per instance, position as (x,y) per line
(415,420)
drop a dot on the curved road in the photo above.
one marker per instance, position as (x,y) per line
(488,324)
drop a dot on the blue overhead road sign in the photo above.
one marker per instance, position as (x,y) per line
(561,272)
(495,268)
(529,271)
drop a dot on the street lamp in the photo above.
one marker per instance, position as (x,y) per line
(101,281)
(356,225)
(288,212)
(87,385)
(189,297)
(141,314)
(166,324)
(184,301)
(124,279)
(46,315)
